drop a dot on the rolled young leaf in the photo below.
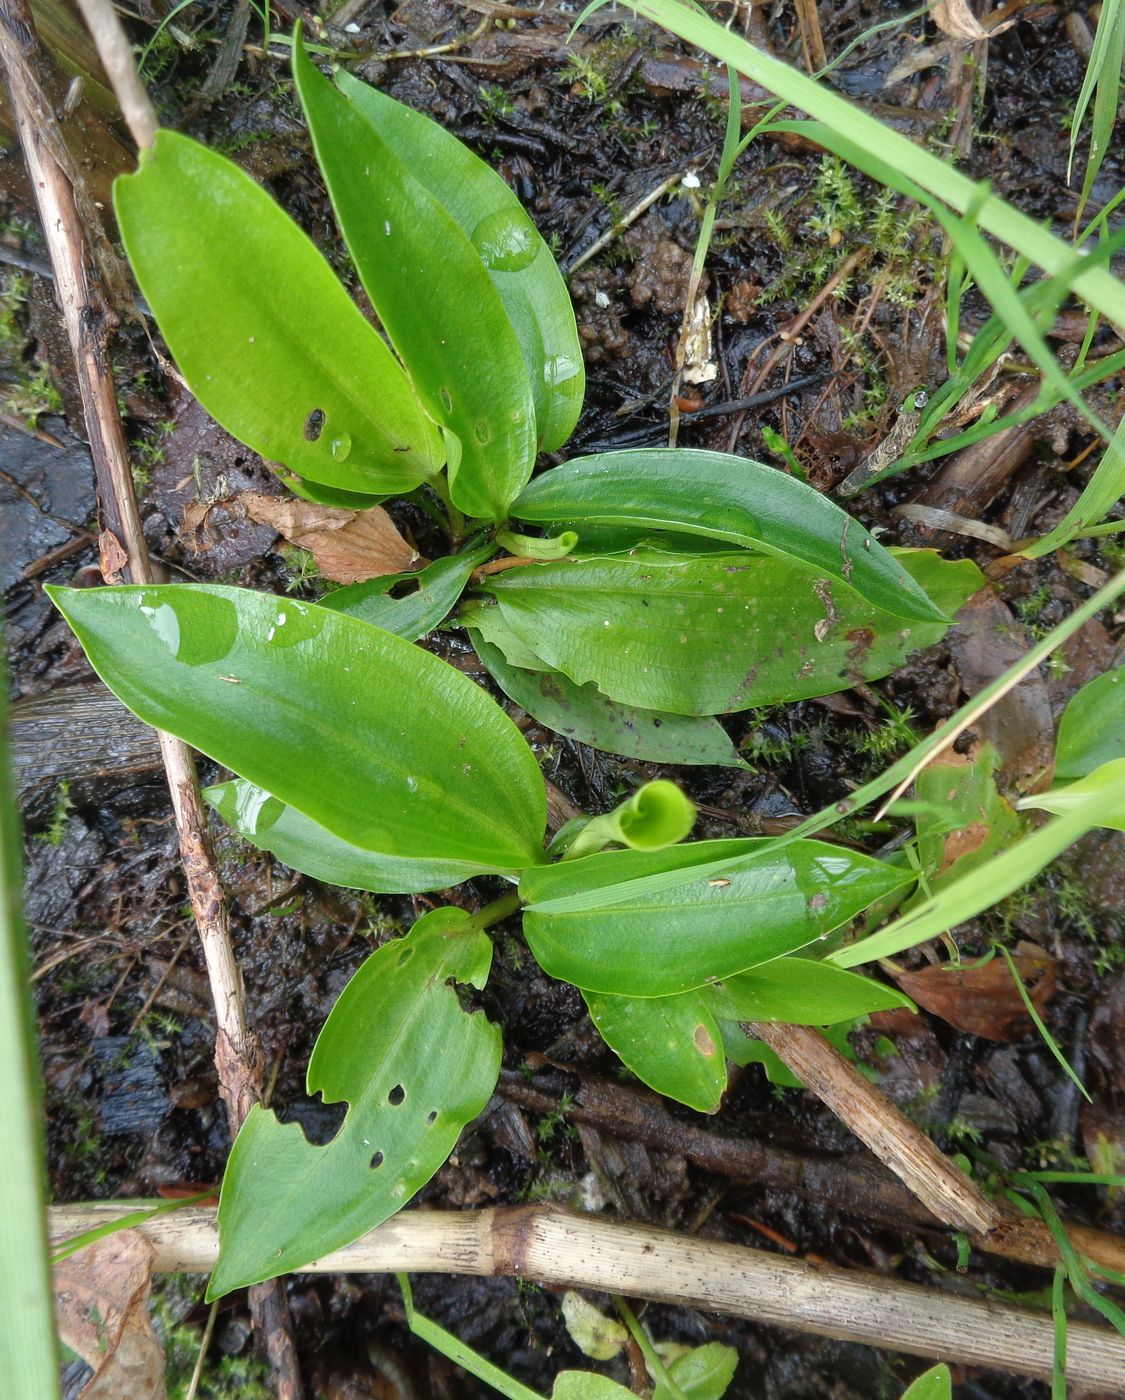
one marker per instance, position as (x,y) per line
(658,814)
(734,499)
(263,331)
(434,297)
(413,1066)
(695,927)
(706,635)
(518,260)
(370,736)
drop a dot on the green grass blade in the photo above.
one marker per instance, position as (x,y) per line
(1104,489)
(28,1359)
(1095,285)
(1048,1039)
(1103,74)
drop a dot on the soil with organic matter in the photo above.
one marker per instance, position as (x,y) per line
(583,130)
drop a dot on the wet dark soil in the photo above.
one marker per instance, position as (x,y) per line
(124,1012)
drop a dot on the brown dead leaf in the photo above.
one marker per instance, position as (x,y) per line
(984,1000)
(349,545)
(101,1305)
(112,558)
(953,17)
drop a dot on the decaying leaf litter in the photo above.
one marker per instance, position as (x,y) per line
(554,142)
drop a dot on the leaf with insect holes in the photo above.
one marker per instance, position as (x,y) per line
(434,297)
(373,738)
(263,331)
(654,923)
(519,262)
(702,635)
(733,499)
(413,1066)
(429,600)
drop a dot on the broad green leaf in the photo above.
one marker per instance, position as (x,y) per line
(803,993)
(672,1044)
(934,1384)
(584,1385)
(742,1049)
(1101,805)
(413,1067)
(696,928)
(368,735)
(305,845)
(434,297)
(704,1373)
(1110,777)
(263,331)
(518,260)
(1092,728)
(701,636)
(485,619)
(675,1044)
(583,713)
(433,592)
(734,499)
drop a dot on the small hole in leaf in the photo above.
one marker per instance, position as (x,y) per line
(396,1096)
(405,956)
(314,424)
(377,1160)
(431,1117)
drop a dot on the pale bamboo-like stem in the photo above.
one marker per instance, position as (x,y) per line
(116,54)
(123,553)
(550,1246)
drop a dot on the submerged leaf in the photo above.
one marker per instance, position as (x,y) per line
(518,260)
(371,737)
(434,297)
(727,498)
(262,330)
(413,1067)
(599,923)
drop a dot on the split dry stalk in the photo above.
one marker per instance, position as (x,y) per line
(554,1247)
(121,542)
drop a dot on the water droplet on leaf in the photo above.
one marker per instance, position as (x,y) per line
(341,447)
(505,240)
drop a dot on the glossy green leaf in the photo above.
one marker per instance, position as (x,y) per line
(485,620)
(370,736)
(704,1373)
(1110,777)
(1092,728)
(707,635)
(433,593)
(305,845)
(734,499)
(599,923)
(413,1066)
(434,297)
(519,262)
(263,331)
(934,1384)
(672,1044)
(802,993)
(675,1044)
(583,713)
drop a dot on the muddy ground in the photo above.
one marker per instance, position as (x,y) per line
(124,1011)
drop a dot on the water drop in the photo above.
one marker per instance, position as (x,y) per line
(341,447)
(606,623)
(387,227)
(558,369)
(446,400)
(412,784)
(506,240)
